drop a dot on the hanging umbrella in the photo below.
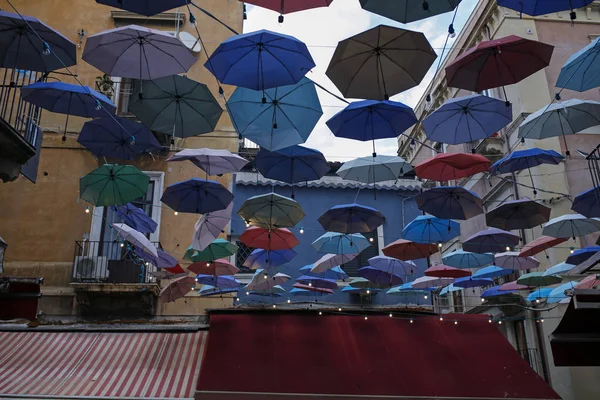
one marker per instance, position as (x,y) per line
(540,244)
(339,243)
(589,282)
(270,291)
(216,268)
(426,282)
(351,218)
(219,248)
(538,295)
(289,6)
(311,289)
(464,259)
(586,203)
(581,255)
(472,281)
(137,52)
(392,265)
(271,211)
(208,290)
(452,166)
(450,202)
(321,283)
(145,7)
(197,196)
(525,159)
(380,62)
(177,289)
(136,238)
(541,7)
(379,277)
(117,137)
(175,105)
(298,292)
(538,279)
(449,289)
(467,119)
(571,225)
(430,229)
(266,259)
(558,293)
(511,260)
(269,239)
(211,161)
(398,291)
(580,72)
(335,273)
(222,282)
(513,287)
(403,249)
(492,272)
(210,226)
(518,214)
(374,169)
(113,185)
(329,261)
(367,285)
(29,44)
(444,271)
(136,218)
(496,292)
(167,274)
(162,260)
(558,269)
(491,240)
(260,60)
(286,117)
(406,11)
(262,280)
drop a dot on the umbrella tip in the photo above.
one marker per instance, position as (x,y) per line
(280,19)
(425,6)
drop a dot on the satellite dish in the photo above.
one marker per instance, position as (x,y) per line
(190,41)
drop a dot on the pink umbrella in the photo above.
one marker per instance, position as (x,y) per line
(590,282)
(540,244)
(512,260)
(329,261)
(210,226)
(289,6)
(444,271)
(425,282)
(512,286)
(312,288)
(216,268)
(177,289)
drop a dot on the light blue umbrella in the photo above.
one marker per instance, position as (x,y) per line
(492,272)
(587,203)
(449,289)
(392,265)
(450,202)
(466,259)
(209,290)
(470,282)
(558,269)
(335,273)
(581,72)
(558,293)
(430,229)
(273,291)
(339,243)
(540,294)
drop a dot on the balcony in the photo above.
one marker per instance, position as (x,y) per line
(491,148)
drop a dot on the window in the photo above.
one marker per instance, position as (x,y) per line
(241,255)
(457,301)
(362,260)
(123,88)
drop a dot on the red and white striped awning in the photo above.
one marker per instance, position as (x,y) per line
(100,365)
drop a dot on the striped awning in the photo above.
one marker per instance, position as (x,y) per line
(100,365)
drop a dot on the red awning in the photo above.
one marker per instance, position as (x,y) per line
(304,356)
(112,365)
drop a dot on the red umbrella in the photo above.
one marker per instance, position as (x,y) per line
(511,286)
(540,244)
(444,271)
(216,268)
(498,63)
(177,289)
(406,250)
(312,288)
(451,166)
(288,6)
(269,239)
(175,270)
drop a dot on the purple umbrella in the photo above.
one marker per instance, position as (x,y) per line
(511,260)
(136,218)
(392,265)
(221,282)
(317,282)
(380,277)
(164,259)
(145,7)
(491,240)
(210,226)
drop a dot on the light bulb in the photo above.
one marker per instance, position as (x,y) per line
(122,244)
(440,245)
(490,320)
(320,313)
(309,283)
(274,306)
(542,320)
(301,230)
(572,251)
(46,50)
(98,106)
(340,309)
(507,248)
(147,263)
(371,240)
(537,300)
(87,209)
(441,318)
(482,299)
(176,213)
(289,301)
(391,315)
(237,299)
(425,297)
(266,276)
(499,322)
(366,317)
(411,321)
(368,291)
(247,293)
(455,322)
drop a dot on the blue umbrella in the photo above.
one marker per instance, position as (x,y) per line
(392,265)
(317,282)
(164,259)
(260,60)
(209,290)
(379,277)
(65,98)
(117,137)
(581,255)
(581,72)
(495,292)
(260,258)
(136,218)
(586,203)
(467,119)
(541,7)
(470,282)
(558,293)
(450,202)
(287,118)
(465,259)
(339,243)
(430,229)
(308,293)
(222,282)
(525,159)
(145,7)
(351,218)
(197,196)
(559,268)
(540,294)
(492,271)
(335,273)
(353,290)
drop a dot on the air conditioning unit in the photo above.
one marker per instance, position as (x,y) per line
(90,269)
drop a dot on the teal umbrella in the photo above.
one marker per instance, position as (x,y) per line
(113,185)
(271,211)
(538,279)
(219,248)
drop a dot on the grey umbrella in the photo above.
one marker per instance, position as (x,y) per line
(406,11)
(518,214)
(374,169)
(176,105)
(380,62)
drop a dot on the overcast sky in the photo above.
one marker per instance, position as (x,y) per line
(321,29)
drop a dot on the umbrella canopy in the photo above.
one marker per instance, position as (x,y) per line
(558,293)
(339,243)
(580,72)
(496,63)
(492,272)
(363,283)
(335,273)
(66,98)
(270,291)
(491,240)
(175,105)
(430,229)
(496,291)
(317,282)
(136,218)
(467,119)
(216,268)
(351,218)
(426,282)
(571,225)
(452,166)
(513,286)
(269,239)
(403,249)
(581,255)
(197,196)
(208,290)
(26,40)
(329,261)
(449,289)
(374,169)
(538,279)
(450,202)
(286,117)
(525,159)
(292,165)
(398,291)
(444,271)
(560,268)
(465,259)
(136,238)
(538,295)
(117,137)
(137,52)
(266,259)
(406,11)
(540,244)
(380,62)
(379,277)
(211,161)
(263,280)
(472,281)
(163,260)
(271,211)
(260,60)
(145,7)
(210,226)
(113,185)
(222,282)
(518,214)
(541,7)
(586,203)
(177,289)
(289,6)
(219,248)
(589,282)
(513,261)
(298,292)
(392,265)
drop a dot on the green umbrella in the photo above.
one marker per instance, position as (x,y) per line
(271,211)
(219,248)
(113,185)
(538,279)
(362,283)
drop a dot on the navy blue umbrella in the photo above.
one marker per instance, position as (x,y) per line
(430,229)
(145,7)
(582,255)
(541,7)
(471,281)
(587,204)
(450,202)
(197,196)
(117,137)
(136,218)
(379,277)
(351,218)
(260,60)
(222,282)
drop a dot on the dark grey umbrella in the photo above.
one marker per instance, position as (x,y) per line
(380,63)
(406,11)
(176,105)
(518,214)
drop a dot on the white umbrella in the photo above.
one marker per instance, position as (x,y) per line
(425,282)
(210,226)
(374,169)
(571,225)
(136,238)
(512,260)
(263,281)
(211,161)
(329,261)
